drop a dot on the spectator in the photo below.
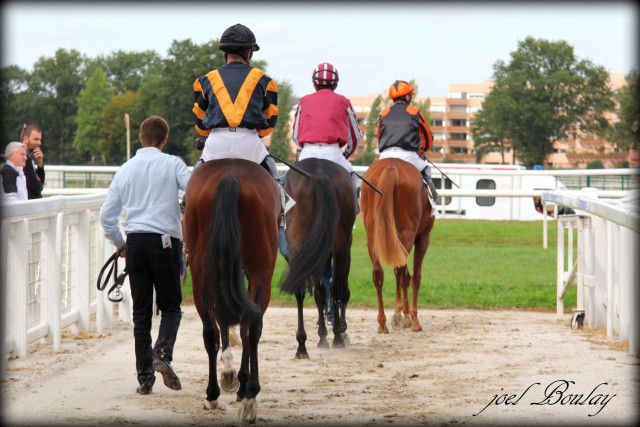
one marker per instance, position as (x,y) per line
(14,183)
(31,137)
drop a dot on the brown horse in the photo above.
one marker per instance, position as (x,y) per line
(320,224)
(231,226)
(394,223)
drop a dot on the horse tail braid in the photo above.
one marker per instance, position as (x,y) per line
(386,241)
(307,264)
(228,295)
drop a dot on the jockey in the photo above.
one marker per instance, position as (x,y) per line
(325,122)
(403,132)
(237,104)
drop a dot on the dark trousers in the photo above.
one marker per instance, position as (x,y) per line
(150,265)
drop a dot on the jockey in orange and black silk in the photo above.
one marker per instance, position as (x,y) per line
(237,104)
(403,132)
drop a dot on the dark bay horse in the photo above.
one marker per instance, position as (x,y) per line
(395,223)
(231,226)
(320,224)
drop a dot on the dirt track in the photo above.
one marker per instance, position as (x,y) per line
(442,375)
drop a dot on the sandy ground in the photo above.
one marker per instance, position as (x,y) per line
(445,374)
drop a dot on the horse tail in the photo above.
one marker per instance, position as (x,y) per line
(226,294)
(311,256)
(386,241)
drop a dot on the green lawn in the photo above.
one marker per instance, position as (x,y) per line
(469,264)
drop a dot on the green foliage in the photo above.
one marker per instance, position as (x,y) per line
(595,164)
(126,70)
(113,134)
(55,84)
(626,133)
(280,145)
(546,90)
(15,102)
(490,126)
(371,134)
(91,104)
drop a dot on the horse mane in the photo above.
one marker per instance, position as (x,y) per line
(316,245)
(386,241)
(223,288)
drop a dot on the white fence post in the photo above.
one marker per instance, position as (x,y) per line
(19,255)
(83,238)
(53,280)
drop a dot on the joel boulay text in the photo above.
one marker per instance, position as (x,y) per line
(559,392)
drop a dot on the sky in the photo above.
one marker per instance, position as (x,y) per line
(372,44)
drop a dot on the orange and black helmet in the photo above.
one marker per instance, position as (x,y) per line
(400,88)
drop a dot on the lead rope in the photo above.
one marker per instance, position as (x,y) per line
(118,280)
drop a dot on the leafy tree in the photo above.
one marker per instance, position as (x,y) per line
(55,84)
(91,103)
(15,102)
(626,132)
(126,70)
(280,145)
(549,91)
(490,126)
(113,134)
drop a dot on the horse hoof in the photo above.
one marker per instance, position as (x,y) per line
(248,411)
(416,328)
(302,355)
(229,382)
(396,322)
(323,343)
(382,329)
(210,405)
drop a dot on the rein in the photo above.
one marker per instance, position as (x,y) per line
(117,279)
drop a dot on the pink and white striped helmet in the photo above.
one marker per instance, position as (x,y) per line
(325,74)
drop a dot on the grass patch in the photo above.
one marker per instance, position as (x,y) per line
(469,264)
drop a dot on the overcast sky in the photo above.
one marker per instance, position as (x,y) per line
(371,43)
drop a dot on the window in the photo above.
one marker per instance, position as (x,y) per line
(457,122)
(485,184)
(436,122)
(458,136)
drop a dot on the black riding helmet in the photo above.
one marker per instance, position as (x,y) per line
(236,38)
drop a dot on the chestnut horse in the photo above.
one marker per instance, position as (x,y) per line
(231,226)
(395,223)
(319,224)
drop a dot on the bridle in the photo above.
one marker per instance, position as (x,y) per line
(117,279)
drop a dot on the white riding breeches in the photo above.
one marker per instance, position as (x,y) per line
(408,156)
(326,151)
(224,143)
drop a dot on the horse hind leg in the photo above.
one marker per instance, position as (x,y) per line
(248,410)
(301,334)
(210,336)
(378,280)
(320,295)
(401,318)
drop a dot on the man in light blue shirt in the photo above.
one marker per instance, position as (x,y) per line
(146,189)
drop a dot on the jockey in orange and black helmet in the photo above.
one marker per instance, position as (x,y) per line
(237,104)
(325,124)
(403,132)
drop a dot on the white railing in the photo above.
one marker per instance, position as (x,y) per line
(606,267)
(52,252)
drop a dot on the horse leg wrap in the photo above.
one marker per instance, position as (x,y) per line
(227,358)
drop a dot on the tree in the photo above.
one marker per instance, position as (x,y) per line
(371,134)
(490,126)
(549,90)
(91,104)
(55,84)
(126,70)
(15,102)
(113,136)
(626,132)
(280,145)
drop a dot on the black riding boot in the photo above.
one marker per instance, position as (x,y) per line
(354,185)
(270,165)
(426,174)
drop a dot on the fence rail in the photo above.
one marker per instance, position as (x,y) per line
(606,267)
(52,250)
